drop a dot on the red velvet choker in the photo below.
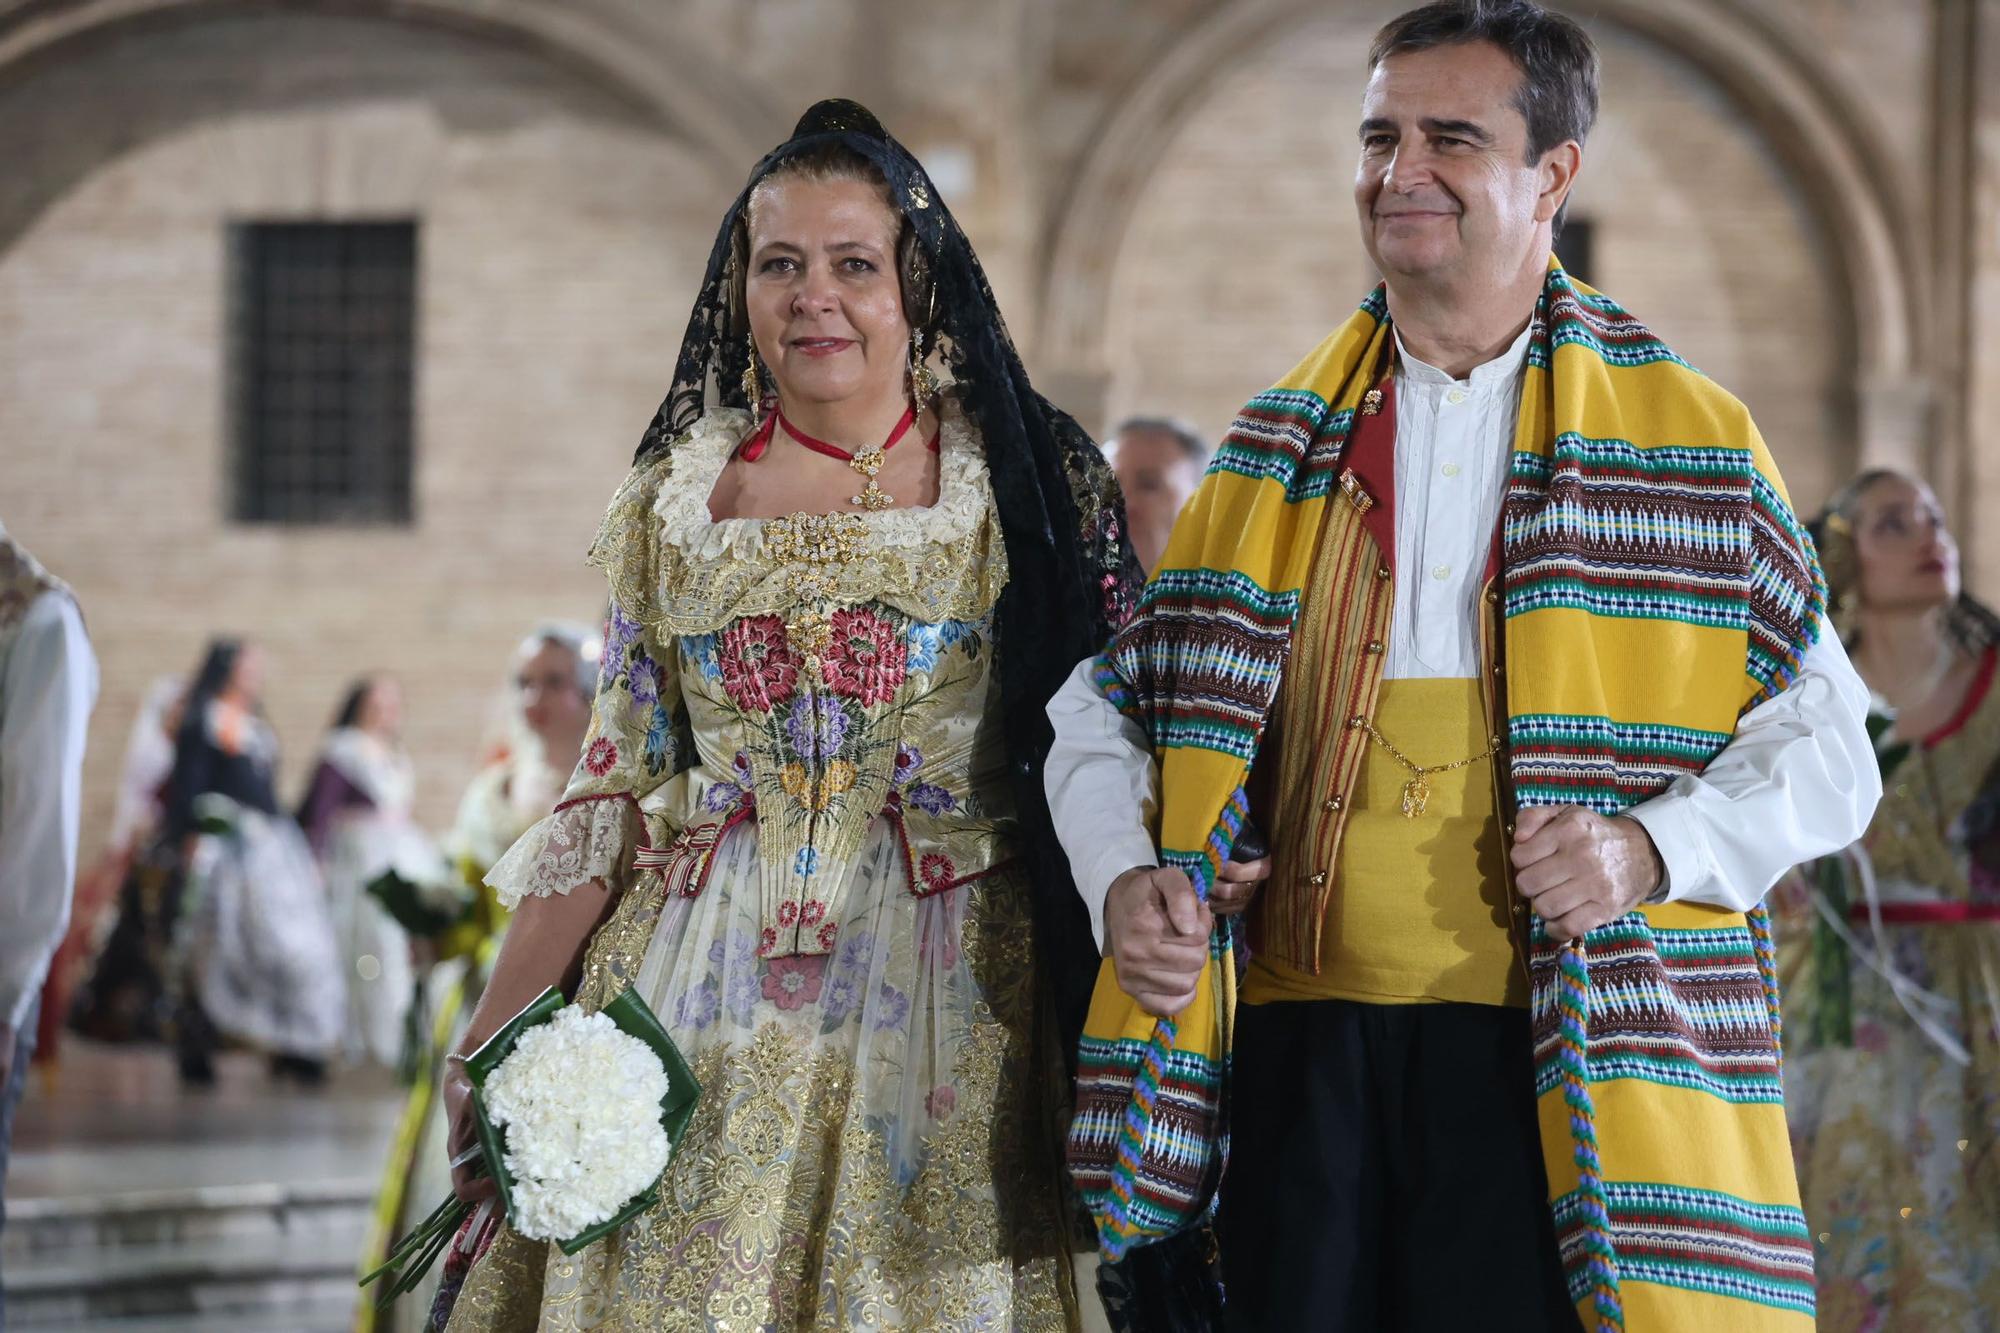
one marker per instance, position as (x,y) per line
(867,462)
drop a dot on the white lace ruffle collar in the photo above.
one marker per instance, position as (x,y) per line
(699,457)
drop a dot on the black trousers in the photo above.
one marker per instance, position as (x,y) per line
(1386,1173)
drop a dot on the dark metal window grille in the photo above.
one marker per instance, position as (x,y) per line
(323,330)
(1573,249)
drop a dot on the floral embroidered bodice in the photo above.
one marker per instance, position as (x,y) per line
(812,674)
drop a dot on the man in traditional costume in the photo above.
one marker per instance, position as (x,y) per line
(1495,615)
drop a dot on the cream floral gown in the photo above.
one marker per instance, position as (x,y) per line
(796,774)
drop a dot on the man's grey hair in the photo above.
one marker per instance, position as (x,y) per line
(1179,431)
(584,643)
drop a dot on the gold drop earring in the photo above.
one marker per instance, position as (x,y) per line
(923,384)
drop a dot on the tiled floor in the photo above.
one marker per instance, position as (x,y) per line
(115,1120)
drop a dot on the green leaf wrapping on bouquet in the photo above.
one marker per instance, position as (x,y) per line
(635,1019)
(416,911)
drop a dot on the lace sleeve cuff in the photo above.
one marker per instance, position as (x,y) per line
(591,839)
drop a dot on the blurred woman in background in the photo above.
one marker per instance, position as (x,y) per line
(357,817)
(1890,953)
(252,940)
(131,868)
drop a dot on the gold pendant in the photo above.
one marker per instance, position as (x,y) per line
(869,462)
(1416,796)
(872,497)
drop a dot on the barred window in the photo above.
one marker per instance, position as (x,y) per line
(323,319)
(1573,249)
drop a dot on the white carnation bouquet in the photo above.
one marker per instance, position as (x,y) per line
(577,1115)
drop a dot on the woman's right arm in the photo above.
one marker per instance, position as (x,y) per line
(544,947)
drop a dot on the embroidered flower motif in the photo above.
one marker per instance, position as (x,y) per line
(827,934)
(699,1007)
(600,757)
(701,650)
(659,748)
(759,669)
(856,952)
(792,777)
(892,1007)
(839,777)
(843,992)
(811,913)
(788,913)
(817,726)
(767,941)
(929,642)
(644,682)
(866,660)
(803,865)
(737,953)
(925,642)
(941,1101)
(740,997)
(794,981)
(908,760)
(932,799)
(620,633)
(936,871)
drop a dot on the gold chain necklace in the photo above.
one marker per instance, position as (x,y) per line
(1417,791)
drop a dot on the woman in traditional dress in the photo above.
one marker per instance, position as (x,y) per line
(357,817)
(123,1001)
(1890,954)
(808,826)
(253,942)
(554,679)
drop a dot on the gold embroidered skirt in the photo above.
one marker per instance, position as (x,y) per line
(872,1147)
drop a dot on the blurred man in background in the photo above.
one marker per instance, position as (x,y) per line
(1159,463)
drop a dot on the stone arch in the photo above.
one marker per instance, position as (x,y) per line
(1849,179)
(624,48)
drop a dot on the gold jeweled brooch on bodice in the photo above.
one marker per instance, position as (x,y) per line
(812,547)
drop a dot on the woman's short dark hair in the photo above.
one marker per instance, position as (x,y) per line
(1557,59)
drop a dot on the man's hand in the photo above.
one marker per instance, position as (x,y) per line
(1580,869)
(1158,932)
(1236,884)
